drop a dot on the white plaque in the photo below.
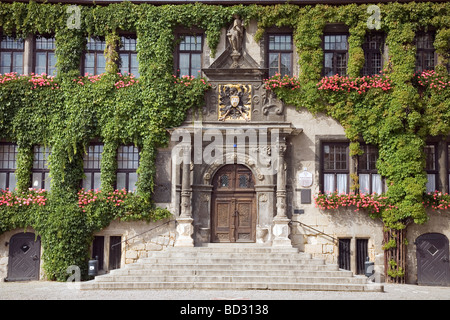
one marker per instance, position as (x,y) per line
(305,178)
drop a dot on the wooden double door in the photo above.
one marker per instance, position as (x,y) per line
(233,214)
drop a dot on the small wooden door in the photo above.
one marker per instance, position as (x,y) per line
(233,206)
(24,257)
(433,266)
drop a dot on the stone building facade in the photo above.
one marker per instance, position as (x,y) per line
(245,169)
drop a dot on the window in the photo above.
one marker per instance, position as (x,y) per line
(8,158)
(335,167)
(127,164)
(128,56)
(11,55)
(431,167)
(91,164)
(45,59)
(190,55)
(369,180)
(373,53)
(425,54)
(94,58)
(335,54)
(280,54)
(40,171)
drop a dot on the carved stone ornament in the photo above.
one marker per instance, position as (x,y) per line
(270,102)
(251,163)
(235,36)
(235,102)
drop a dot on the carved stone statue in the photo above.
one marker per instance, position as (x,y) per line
(235,35)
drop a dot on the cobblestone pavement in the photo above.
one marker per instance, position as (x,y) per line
(44,290)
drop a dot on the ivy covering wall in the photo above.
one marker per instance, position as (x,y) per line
(67,112)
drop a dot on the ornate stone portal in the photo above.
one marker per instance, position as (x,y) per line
(239,105)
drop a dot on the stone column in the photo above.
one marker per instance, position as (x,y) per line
(185,227)
(441,154)
(28,55)
(281,228)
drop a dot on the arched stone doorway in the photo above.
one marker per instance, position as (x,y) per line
(233,211)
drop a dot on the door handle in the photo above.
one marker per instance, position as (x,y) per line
(445,260)
(35,257)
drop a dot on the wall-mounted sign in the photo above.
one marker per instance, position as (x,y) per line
(305,178)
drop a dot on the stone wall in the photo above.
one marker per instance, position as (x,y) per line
(140,241)
(439,222)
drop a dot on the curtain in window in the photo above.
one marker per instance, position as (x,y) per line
(431,183)
(340,186)
(377,186)
(328,183)
(342,183)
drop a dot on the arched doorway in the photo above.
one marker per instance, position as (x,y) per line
(433,268)
(24,257)
(233,212)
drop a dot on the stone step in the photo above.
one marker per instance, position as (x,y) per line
(240,255)
(233,261)
(230,285)
(227,266)
(224,247)
(230,272)
(220,278)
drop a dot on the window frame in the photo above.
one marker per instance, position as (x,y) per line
(91,171)
(128,170)
(335,172)
(432,171)
(335,53)
(129,53)
(95,52)
(421,53)
(46,51)
(368,151)
(41,170)
(179,51)
(9,170)
(369,53)
(11,51)
(280,52)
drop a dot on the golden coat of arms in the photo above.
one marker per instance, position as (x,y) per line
(235,102)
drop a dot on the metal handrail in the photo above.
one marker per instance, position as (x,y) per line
(325,234)
(167,222)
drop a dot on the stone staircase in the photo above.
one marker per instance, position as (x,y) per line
(219,266)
